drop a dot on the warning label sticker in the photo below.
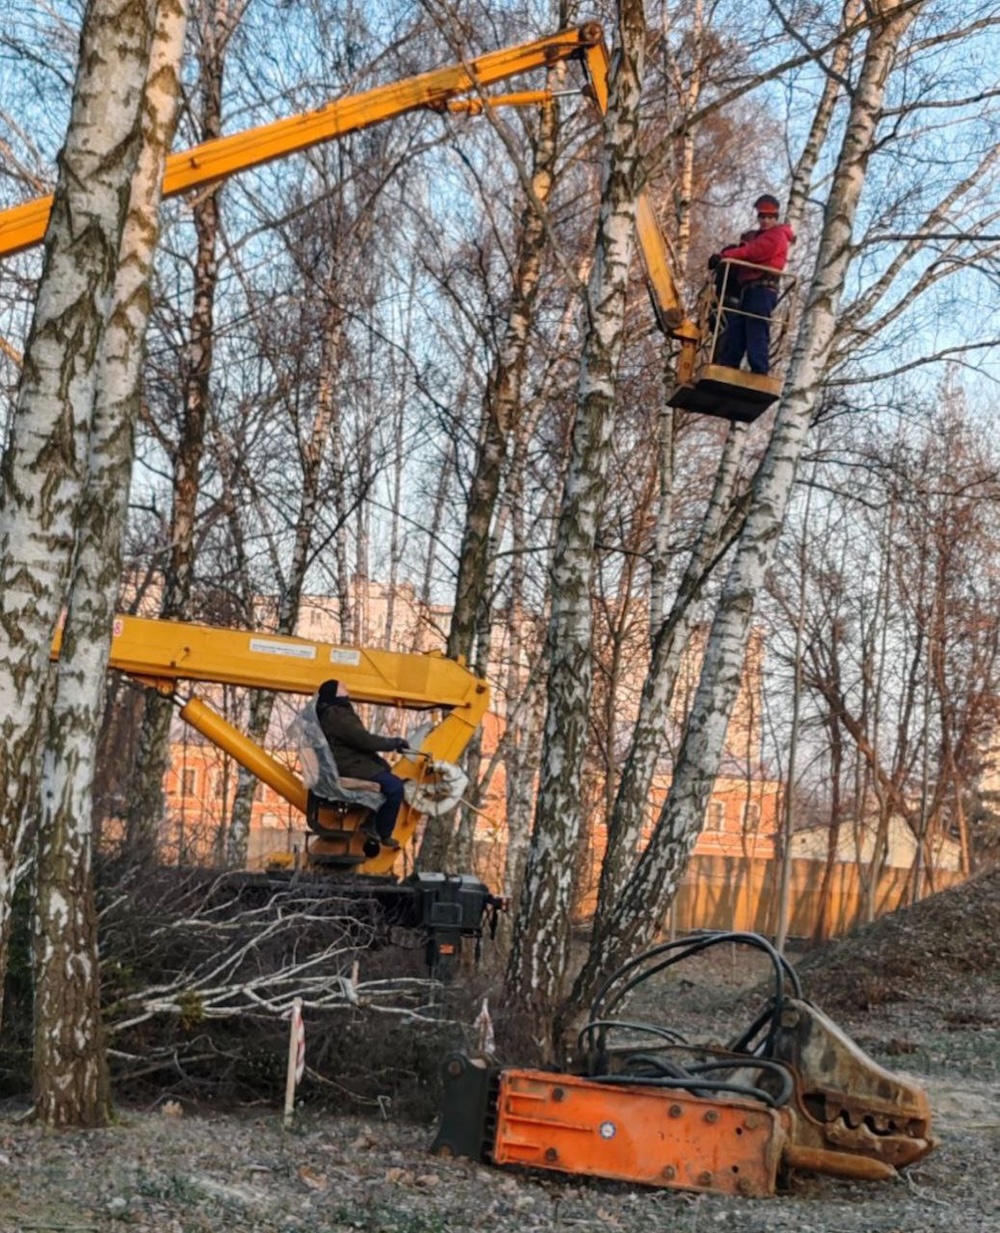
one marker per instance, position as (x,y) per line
(265,646)
(344,655)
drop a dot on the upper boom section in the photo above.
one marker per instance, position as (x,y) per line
(24,226)
(165,652)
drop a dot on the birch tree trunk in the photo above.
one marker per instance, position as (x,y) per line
(633,921)
(44,464)
(503,398)
(435,522)
(70,1076)
(669,643)
(540,953)
(524,690)
(833,88)
(524,718)
(502,410)
(671,630)
(146,802)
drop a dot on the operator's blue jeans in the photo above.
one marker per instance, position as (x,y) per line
(392,789)
(749,330)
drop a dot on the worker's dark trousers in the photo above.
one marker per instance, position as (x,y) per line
(392,790)
(749,330)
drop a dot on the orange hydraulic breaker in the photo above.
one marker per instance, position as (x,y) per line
(637,1134)
(646,1105)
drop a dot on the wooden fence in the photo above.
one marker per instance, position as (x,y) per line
(718,892)
(728,892)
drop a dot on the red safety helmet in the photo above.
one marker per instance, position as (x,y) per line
(767,205)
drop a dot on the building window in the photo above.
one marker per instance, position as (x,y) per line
(189,781)
(751,816)
(715,818)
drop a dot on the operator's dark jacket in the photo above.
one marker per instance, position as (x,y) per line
(354,748)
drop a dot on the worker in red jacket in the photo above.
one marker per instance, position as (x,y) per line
(748,331)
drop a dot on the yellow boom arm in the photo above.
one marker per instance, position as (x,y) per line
(161,654)
(440,90)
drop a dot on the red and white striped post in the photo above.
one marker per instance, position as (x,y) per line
(296,1059)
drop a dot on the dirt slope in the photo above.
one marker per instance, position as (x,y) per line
(943,951)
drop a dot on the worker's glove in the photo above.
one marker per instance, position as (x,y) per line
(402,745)
(714,261)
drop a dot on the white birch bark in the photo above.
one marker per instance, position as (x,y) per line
(44,464)
(833,88)
(70,1079)
(687,92)
(217,21)
(635,918)
(471,619)
(523,735)
(502,405)
(670,631)
(669,644)
(436,521)
(524,691)
(541,936)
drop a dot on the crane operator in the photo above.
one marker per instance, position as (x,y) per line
(356,753)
